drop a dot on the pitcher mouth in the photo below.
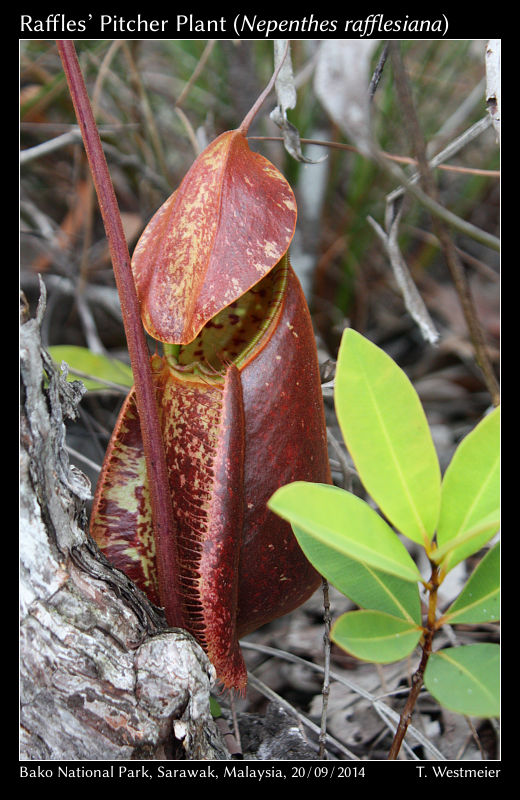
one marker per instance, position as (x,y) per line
(236,334)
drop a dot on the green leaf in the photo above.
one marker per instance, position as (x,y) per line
(467,542)
(374,636)
(479,600)
(214,707)
(387,434)
(94,370)
(346,523)
(366,586)
(466,679)
(470,492)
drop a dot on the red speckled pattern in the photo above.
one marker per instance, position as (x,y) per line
(230,443)
(241,409)
(227,225)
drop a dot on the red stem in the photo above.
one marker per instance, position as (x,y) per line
(253,111)
(162,514)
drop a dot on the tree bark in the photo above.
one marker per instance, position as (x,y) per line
(101,675)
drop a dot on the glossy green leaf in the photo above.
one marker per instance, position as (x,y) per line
(479,600)
(466,679)
(345,523)
(93,369)
(467,542)
(366,586)
(374,636)
(387,434)
(470,492)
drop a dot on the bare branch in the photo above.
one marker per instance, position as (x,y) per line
(412,299)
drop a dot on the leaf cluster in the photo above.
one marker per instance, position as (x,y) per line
(362,552)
